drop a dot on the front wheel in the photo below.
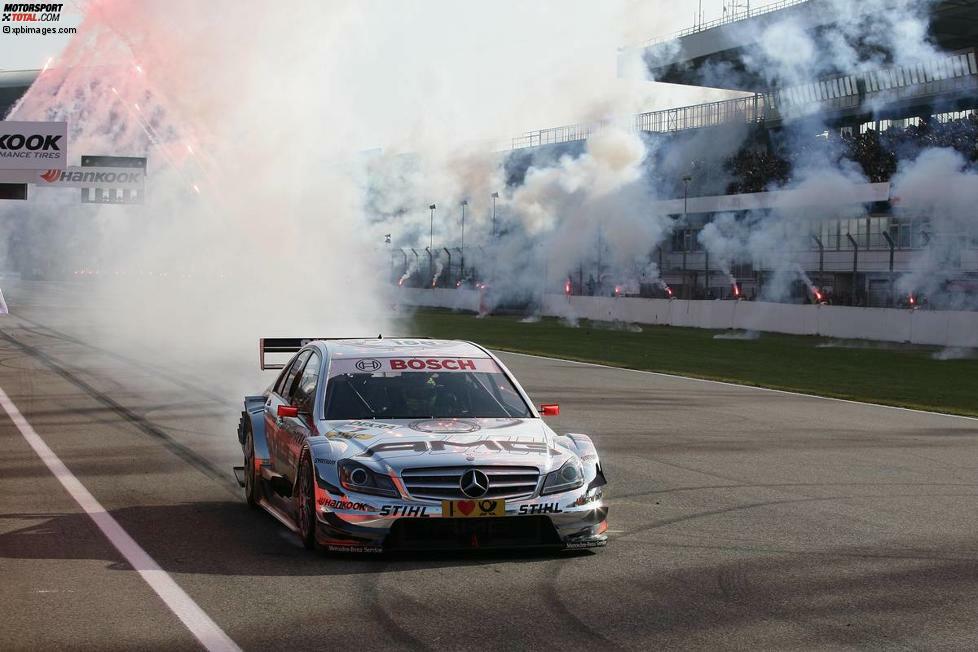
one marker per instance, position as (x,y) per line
(305,508)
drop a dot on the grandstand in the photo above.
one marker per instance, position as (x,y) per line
(867,116)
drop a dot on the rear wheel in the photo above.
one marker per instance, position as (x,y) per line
(250,488)
(305,508)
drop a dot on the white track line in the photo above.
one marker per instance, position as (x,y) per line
(721,382)
(189,612)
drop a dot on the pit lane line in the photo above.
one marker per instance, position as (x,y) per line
(176,599)
(741,385)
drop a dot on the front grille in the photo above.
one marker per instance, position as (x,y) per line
(442,483)
(468,533)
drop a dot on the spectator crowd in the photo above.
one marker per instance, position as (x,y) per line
(768,159)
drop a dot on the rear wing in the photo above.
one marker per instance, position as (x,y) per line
(280,345)
(291,345)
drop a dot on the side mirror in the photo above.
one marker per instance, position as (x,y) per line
(288,411)
(549,410)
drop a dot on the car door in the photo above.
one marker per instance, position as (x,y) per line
(280,395)
(295,430)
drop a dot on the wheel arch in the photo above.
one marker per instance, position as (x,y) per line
(254,415)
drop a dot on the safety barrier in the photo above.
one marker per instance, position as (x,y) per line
(929,327)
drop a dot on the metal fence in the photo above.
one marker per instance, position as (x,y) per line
(726,20)
(953,73)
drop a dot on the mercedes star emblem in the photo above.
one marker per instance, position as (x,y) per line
(474,483)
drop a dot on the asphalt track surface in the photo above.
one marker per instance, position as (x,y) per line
(740,518)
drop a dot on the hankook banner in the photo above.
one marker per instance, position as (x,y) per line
(92,177)
(33,145)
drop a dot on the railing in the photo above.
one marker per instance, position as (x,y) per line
(726,20)
(554,135)
(951,73)
(747,110)
(741,110)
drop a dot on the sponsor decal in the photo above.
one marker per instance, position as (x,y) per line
(332,547)
(432,364)
(590,497)
(82,177)
(589,458)
(490,445)
(401,365)
(33,145)
(453,426)
(581,545)
(341,434)
(472,508)
(544,508)
(369,365)
(346,505)
(323,460)
(374,424)
(419,511)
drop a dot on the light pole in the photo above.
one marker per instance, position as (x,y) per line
(685,240)
(431,241)
(495,196)
(461,268)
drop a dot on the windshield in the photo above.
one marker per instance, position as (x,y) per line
(392,389)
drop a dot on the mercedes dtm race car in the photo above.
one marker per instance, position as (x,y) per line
(371,445)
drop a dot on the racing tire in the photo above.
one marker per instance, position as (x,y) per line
(305,505)
(251,482)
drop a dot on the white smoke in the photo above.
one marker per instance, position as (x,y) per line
(938,184)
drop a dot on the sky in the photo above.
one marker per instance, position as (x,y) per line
(543,46)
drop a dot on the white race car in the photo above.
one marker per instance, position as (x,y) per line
(367,445)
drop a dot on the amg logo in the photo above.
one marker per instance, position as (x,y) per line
(442,446)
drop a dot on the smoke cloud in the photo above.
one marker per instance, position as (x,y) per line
(278,167)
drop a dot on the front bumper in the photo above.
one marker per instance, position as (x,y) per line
(572,521)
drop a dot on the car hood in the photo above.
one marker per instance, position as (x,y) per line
(408,443)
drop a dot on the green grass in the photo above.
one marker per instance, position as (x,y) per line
(890,374)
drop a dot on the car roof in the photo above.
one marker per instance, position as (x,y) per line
(407,347)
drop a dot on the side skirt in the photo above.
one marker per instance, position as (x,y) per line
(279,515)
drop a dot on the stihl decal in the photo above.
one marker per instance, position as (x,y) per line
(419,511)
(545,508)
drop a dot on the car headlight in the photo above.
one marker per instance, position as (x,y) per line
(356,477)
(569,476)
